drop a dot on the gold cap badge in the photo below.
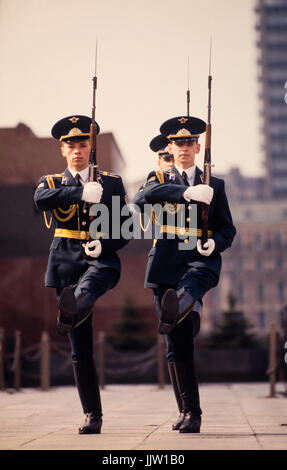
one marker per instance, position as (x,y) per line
(183,120)
(74,119)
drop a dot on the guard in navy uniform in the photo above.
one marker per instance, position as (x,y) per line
(184,276)
(160,145)
(80,268)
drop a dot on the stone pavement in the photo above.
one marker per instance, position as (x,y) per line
(138,418)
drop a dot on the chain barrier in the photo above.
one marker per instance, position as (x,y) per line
(112,363)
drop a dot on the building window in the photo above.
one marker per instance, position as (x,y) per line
(260,292)
(281,289)
(279,263)
(268,241)
(278,240)
(261,319)
(240,293)
(259,263)
(258,238)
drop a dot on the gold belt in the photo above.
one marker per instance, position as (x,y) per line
(77,234)
(189,232)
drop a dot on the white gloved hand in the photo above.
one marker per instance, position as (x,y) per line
(93,248)
(200,192)
(92,192)
(208,247)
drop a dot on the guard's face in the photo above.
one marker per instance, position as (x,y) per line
(184,153)
(165,163)
(77,154)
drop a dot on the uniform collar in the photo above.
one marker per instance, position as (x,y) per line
(84,174)
(190,172)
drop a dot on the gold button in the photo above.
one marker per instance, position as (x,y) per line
(186,240)
(84,223)
(85,211)
(83,235)
(189,207)
(188,219)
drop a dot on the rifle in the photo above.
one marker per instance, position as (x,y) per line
(207,159)
(93,171)
(93,166)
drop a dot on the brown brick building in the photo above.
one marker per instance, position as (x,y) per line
(25,303)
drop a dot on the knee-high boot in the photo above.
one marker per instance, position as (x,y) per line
(188,386)
(173,379)
(89,392)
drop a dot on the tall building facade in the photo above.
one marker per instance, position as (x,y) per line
(272,44)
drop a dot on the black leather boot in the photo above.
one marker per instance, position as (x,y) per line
(172,375)
(84,308)
(175,306)
(92,425)
(188,387)
(191,423)
(89,393)
(67,311)
(72,310)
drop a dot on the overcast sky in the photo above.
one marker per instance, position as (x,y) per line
(47,50)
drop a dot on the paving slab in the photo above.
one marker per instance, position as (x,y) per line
(236,416)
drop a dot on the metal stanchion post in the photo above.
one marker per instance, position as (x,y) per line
(101,339)
(272,359)
(161,363)
(17,360)
(45,361)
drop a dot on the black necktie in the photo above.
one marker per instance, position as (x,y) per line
(184,177)
(78,180)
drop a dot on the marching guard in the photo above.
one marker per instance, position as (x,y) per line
(181,270)
(81,269)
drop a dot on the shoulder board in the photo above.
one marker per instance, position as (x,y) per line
(55,175)
(108,173)
(160,176)
(50,179)
(152,178)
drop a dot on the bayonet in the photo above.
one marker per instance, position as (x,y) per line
(93,172)
(188,91)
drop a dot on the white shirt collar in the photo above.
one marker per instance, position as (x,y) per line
(84,174)
(190,172)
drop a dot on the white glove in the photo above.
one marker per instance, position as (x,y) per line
(93,248)
(200,192)
(92,192)
(208,247)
